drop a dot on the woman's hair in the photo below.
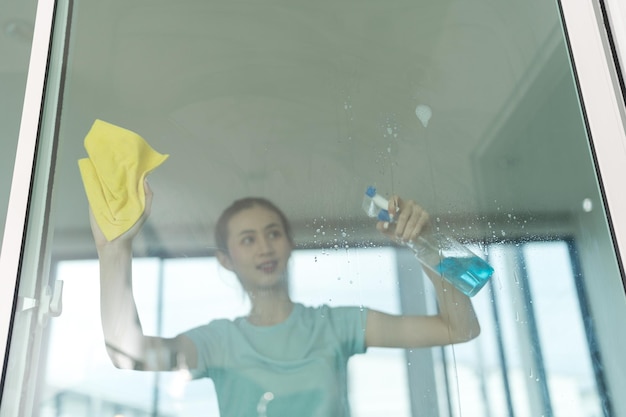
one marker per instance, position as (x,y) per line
(221,227)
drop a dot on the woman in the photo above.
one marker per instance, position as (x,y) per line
(282,359)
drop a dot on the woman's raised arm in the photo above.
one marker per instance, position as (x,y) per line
(126,343)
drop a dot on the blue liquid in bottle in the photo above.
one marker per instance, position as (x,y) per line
(468,275)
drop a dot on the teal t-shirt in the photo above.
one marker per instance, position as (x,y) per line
(295,368)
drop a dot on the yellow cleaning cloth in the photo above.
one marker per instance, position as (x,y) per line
(113,176)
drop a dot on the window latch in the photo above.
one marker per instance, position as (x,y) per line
(51,303)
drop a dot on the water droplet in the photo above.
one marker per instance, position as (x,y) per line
(423,113)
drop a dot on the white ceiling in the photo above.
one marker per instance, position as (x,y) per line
(308,103)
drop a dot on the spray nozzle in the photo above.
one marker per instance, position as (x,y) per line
(376,205)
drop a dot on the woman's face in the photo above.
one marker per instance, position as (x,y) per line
(258,248)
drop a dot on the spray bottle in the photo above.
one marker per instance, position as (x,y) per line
(441,254)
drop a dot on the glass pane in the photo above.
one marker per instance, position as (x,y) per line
(18,18)
(471,110)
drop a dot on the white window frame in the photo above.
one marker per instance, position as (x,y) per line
(602,98)
(17,212)
(616,14)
